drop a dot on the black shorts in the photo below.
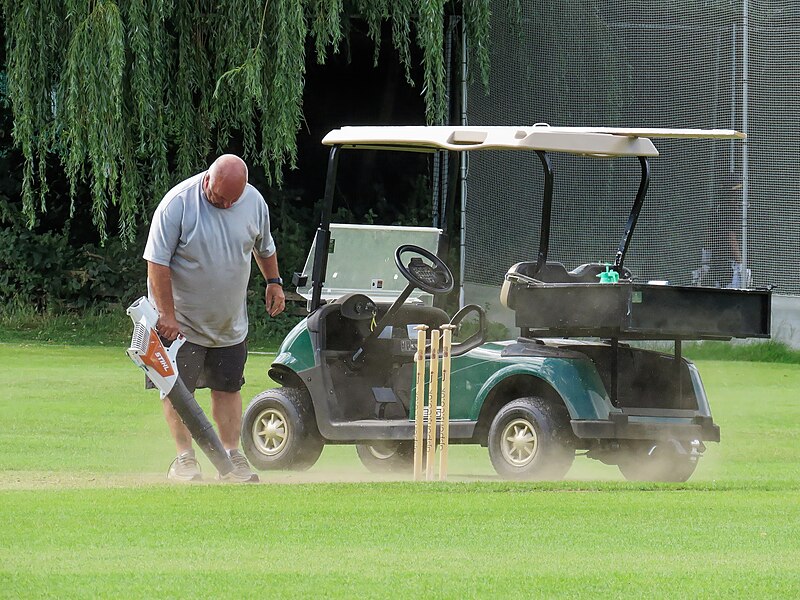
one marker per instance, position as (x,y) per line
(219,369)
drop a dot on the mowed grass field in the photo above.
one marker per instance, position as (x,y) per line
(85,510)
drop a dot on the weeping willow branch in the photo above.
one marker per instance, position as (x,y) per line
(92,111)
(31,31)
(132,95)
(326,29)
(431,38)
(477,17)
(251,66)
(401,34)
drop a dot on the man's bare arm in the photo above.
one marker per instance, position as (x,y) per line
(161,286)
(274,298)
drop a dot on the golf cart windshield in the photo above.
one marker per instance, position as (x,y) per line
(361,259)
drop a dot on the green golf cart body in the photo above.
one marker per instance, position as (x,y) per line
(571,382)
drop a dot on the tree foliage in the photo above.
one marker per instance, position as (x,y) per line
(133,94)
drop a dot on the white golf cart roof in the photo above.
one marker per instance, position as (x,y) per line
(592,141)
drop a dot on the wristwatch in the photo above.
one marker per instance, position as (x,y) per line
(277,280)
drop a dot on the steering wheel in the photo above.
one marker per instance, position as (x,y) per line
(436,279)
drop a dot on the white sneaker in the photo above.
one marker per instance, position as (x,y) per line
(184,468)
(242,473)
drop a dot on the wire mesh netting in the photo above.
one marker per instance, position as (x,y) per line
(716,211)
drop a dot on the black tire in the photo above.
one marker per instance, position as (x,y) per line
(387,457)
(544,446)
(279,431)
(658,461)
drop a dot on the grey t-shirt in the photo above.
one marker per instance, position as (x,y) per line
(208,251)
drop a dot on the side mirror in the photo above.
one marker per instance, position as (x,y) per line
(477,338)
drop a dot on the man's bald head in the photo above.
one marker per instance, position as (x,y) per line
(225,180)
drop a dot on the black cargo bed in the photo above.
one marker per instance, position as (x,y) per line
(627,310)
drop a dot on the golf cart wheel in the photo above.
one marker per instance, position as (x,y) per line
(659,461)
(531,439)
(279,431)
(387,457)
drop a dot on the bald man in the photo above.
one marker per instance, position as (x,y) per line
(198,252)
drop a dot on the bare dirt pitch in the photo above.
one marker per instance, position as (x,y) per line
(35,480)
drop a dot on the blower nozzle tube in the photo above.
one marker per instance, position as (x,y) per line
(199,426)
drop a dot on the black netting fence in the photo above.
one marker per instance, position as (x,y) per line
(698,64)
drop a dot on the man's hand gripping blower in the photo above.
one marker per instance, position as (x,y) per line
(158,362)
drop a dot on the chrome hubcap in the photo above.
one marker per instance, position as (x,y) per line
(270,432)
(519,442)
(383,451)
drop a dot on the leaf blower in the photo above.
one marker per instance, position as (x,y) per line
(158,362)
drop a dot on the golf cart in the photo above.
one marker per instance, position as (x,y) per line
(571,382)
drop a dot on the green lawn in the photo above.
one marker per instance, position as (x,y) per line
(85,511)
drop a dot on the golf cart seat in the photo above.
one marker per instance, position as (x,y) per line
(410,314)
(346,321)
(524,274)
(359,307)
(398,341)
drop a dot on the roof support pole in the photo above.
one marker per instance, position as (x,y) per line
(547,207)
(323,237)
(634,216)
